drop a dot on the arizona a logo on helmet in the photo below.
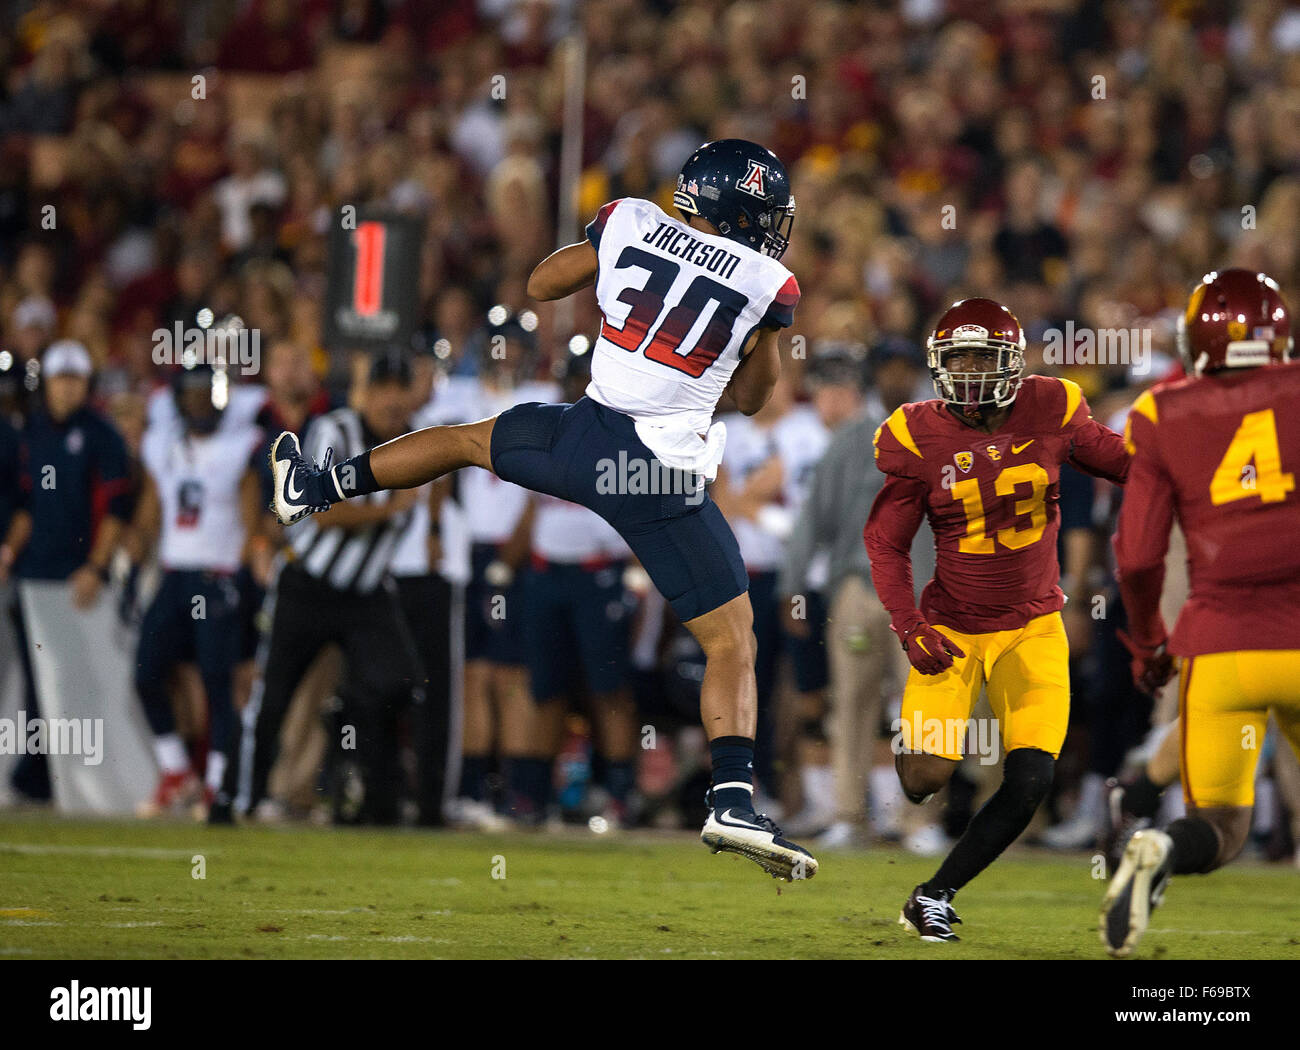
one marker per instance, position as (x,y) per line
(755,180)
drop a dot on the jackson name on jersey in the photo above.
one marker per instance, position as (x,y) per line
(678,307)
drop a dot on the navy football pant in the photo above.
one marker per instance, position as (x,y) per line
(591,455)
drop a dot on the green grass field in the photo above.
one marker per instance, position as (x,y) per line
(80,889)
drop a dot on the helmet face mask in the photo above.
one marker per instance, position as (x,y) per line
(997,386)
(742,189)
(977,326)
(777,224)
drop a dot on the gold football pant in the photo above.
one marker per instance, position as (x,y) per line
(1027,673)
(1224,700)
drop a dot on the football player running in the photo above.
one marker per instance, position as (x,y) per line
(1219,450)
(982,463)
(691,309)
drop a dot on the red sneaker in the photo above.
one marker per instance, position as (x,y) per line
(174,790)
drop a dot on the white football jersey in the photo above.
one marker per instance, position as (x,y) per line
(245,402)
(493,507)
(749,446)
(678,306)
(198,482)
(801,439)
(567,533)
(454,400)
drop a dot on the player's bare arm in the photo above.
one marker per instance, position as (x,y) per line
(145,523)
(753,381)
(563,272)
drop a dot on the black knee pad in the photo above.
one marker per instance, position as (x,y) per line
(1027,775)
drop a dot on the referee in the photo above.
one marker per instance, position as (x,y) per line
(335,588)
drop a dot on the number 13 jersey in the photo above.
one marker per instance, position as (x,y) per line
(992,501)
(678,306)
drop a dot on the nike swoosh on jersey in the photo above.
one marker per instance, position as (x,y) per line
(1017,449)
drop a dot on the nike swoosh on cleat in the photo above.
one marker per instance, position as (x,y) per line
(294,494)
(720,818)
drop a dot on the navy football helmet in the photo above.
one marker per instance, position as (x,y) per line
(742,188)
(201,414)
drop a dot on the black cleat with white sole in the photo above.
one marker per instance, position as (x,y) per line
(1136,890)
(757,837)
(932,918)
(299,487)
(1121,825)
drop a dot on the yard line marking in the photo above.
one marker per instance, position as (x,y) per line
(1212,933)
(142,852)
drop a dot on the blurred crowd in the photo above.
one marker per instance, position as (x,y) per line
(1078,160)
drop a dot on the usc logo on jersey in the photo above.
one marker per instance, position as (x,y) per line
(994,452)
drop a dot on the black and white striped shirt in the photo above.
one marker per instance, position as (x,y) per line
(347,560)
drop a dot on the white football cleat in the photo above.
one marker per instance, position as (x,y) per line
(757,837)
(1136,889)
(299,488)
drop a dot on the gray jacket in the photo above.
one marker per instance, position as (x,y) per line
(844,485)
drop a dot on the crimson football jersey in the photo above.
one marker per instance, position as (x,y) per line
(992,501)
(1221,452)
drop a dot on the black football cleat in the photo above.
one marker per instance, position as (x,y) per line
(1121,826)
(221,812)
(299,487)
(756,836)
(1136,889)
(932,918)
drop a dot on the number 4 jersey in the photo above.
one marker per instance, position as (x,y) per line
(1221,452)
(992,503)
(678,305)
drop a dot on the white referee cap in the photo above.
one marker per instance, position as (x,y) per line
(67,357)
